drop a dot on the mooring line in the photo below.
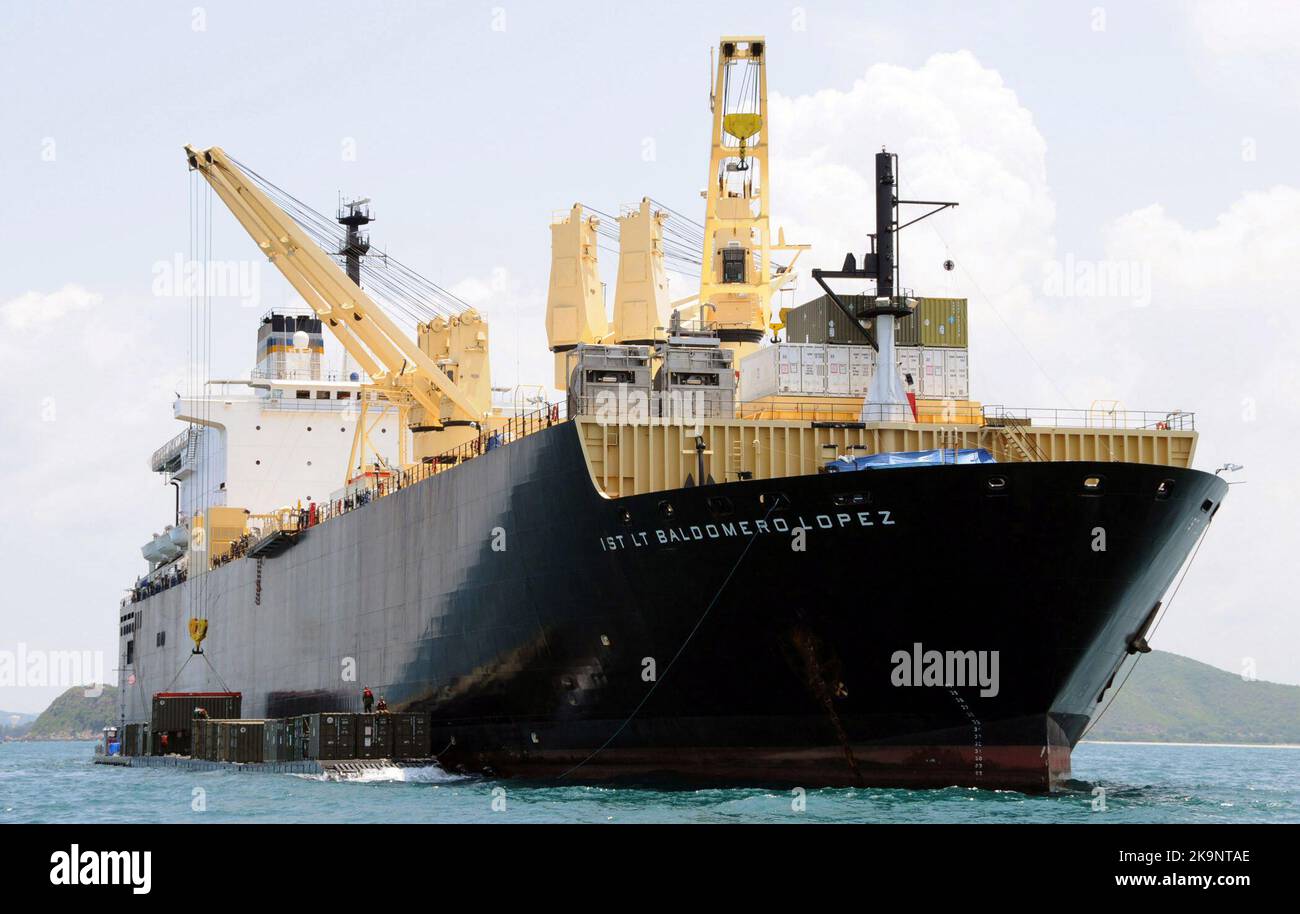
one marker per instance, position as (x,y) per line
(689,636)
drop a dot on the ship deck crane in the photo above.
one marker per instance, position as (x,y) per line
(396,365)
(737,275)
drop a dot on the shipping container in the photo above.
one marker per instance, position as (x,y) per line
(908,362)
(277,741)
(771,370)
(813,377)
(907,330)
(957,374)
(838,382)
(174,711)
(862,368)
(239,740)
(329,736)
(298,729)
(822,321)
(942,322)
(412,736)
(374,735)
(932,374)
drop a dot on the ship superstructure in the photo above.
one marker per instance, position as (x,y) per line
(692,563)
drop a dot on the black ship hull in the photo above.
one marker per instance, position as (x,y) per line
(747,632)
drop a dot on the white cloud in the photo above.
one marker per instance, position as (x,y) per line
(33,309)
(1253,243)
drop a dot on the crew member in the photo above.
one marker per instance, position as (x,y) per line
(368,699)
(382,707)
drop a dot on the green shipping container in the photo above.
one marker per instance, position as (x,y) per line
(941,322)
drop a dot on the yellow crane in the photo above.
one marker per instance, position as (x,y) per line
(738,276)
(400,370)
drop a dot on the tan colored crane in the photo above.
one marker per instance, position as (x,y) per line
(397,366)
(738,277)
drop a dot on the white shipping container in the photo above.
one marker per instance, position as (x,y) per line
(838,381)
(790,367)
(771,370)
(909,363)
(956,369)
(813,359)
(932,373)
(862,368)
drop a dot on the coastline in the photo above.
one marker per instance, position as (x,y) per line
(1145,742)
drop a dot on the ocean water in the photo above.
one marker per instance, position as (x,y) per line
(56,782)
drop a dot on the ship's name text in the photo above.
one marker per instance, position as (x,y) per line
(667,536)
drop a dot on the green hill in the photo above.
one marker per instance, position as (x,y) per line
(1170,698)
(74,716)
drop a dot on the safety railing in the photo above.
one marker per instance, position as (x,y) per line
(689,406)
(385,481)
(173,449)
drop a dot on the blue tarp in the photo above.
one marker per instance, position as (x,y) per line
(937,457)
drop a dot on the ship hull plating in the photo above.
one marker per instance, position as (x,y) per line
(748,632)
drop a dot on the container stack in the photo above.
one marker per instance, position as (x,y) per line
(826,354)
(324,736)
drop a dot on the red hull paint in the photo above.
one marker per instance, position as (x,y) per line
(1031,769)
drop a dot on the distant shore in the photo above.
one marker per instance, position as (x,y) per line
(1155,742)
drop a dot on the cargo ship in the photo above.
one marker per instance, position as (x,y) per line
(714,555)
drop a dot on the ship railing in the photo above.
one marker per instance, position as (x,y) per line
(387,480)
(173,449)
(667,408)
(1130,419)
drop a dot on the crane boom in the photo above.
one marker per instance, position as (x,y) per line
(389,356)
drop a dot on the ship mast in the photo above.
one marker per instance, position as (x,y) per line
(353,214)
(887,397)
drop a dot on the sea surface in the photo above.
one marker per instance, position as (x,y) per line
(56,782)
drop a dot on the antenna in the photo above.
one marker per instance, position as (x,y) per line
(881,262)
(354,214)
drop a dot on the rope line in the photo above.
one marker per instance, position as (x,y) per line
(690,635)
(1150,634)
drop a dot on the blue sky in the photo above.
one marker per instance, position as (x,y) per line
(1163,134)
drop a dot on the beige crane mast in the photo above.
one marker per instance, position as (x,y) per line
(641,296)
(400,370)
(575,302)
